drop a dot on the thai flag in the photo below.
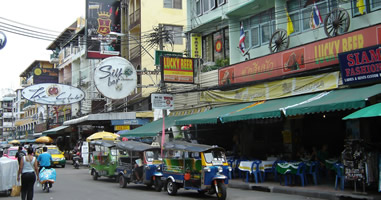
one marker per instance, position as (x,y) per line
(316,17)
(242,40)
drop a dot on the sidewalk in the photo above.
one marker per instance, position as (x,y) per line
(323,191)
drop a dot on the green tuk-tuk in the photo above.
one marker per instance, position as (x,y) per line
(103,159)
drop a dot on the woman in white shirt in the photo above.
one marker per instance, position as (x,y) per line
(29,170)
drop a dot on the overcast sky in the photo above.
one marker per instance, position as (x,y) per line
(20,51)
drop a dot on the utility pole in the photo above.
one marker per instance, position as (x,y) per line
(124,43)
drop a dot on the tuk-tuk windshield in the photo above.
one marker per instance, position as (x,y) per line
(215,157)
(152,155)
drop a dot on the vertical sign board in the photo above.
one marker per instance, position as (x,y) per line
(361,65)
(177,70)
(196,45)
(102,17)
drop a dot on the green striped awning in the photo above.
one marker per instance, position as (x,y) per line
(340,99)
(370,111)
(210,116)
(267,109)
(153,128)
(54,130)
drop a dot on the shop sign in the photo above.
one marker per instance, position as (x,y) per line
(129,122)
(361,65)
(314,55)
(53,94)
(276,89)
(45,75)
(177,69)
(162,101)
(196,45)
(122,127)
(115,77)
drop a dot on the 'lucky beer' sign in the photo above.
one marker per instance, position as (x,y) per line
(177,69)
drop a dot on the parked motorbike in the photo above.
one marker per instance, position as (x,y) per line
(76,159)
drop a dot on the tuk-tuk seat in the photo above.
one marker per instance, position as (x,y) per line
(174,165)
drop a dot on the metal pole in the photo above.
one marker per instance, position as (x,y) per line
(124,43)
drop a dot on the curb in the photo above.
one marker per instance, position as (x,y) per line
(304,192)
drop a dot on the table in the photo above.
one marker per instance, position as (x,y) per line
(283,168)
(246,165)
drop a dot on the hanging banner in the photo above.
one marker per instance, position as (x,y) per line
(196,48)
(102,18)
(319,54)
(276,89)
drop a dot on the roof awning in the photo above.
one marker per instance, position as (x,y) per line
(370,111)
(54,130)
(96,119)
(267,109)
(153,128)
(210,116)
(341,99)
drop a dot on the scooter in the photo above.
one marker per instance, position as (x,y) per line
(76,159)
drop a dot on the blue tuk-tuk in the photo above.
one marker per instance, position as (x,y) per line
(139,164)
(195,167)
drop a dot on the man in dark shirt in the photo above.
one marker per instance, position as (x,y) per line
(19,154)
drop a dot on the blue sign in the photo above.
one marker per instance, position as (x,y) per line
(129,122)
(3,40)
(361,65)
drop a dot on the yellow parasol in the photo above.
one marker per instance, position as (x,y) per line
(44,139)
(102,136)
(14,142)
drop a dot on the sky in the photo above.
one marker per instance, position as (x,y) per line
(21,51)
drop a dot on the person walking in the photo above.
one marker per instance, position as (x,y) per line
(19,154)
(44,159)
(28,171)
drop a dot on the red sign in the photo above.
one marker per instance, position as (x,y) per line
(314,55)
(177,69)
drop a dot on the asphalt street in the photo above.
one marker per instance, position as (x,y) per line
(78,184)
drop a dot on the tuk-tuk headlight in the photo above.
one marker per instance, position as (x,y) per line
(207,169)
(158,168)
(230,169)
(112,162)
(220,170)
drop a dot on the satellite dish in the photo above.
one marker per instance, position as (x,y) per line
(3,40)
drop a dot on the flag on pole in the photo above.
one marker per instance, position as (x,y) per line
(242,40)
(290,26)
(316,17)
(361,6)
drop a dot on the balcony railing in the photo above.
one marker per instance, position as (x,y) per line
(134,19)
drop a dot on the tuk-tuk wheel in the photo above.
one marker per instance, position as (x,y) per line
(158,184)
(171,188)
(95,175)
(221,195)
(122,181)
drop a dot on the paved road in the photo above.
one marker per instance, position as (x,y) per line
(78,184)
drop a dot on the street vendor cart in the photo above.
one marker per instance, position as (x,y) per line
(8,174)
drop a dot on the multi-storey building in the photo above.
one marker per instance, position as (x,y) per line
(7,117)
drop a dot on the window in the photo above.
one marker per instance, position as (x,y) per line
(173,4)
(198,7)
(209,5)
(215,47)
(301,16)
(175,34)
(220,2)
(259,28)
(369,6)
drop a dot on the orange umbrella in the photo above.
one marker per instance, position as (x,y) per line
(44,139)
(14,142)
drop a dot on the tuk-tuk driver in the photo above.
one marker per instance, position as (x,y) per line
(138,168)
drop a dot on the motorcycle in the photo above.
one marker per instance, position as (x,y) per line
(76,159)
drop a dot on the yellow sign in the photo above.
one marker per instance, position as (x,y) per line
(196,43)
(276,89)
(122,127)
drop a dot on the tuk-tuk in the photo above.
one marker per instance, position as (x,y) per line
(103,159)
(140,161)
(195,167)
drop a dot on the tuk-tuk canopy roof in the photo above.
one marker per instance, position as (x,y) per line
(105,143)
(187,146)
(135,146)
